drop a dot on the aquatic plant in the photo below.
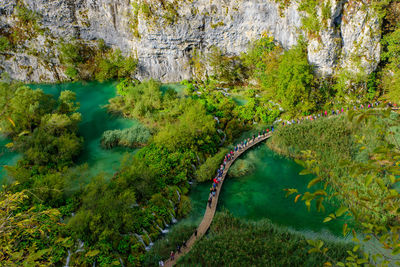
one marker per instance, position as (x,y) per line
(135,136)
(241,167)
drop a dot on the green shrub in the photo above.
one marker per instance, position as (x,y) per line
(135,136)
(311,20)
(4,44)
(115,66)
(227,69)
(209,168)
(25,15)
(70,53)
(336,144)
(72,73)
(83,61)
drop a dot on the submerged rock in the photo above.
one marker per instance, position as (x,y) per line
(241,167)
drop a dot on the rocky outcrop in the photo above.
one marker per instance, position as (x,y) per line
(361,37)
(164,47)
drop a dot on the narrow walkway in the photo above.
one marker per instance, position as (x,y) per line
(210,212)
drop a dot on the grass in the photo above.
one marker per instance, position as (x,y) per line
(336,143)
(234,242)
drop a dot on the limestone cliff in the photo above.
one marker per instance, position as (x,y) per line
(163,34)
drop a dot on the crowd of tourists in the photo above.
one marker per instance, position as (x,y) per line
(230,156)
(333,112)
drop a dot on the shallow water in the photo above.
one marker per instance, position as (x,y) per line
(260,195)
(241,101)
(92,97)
(7,157)
(177,87)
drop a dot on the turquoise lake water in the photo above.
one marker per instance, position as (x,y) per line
(259,195)
(92,97)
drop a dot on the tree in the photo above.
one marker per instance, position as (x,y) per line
(256,58)
(391,73)
(22,108)
(293,83)
(193,130)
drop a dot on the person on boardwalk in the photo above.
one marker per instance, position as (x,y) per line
(178,248)
(161,263)
(209,202)
(172,255)
(195,233)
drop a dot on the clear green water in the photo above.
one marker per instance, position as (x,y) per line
(241,101)
(179,88)
(92,97)
(7,157)
(260,195)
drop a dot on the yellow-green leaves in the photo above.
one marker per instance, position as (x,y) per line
(92,253)
(314,181)
(290,191)
(27,237)
(341,211)
(345,229)
(316,245)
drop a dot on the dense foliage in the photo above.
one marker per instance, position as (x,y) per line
(209,168)
(391,75)
(283,79)
(29,236)
(237,243)
(86,62)
(334,140)
(115,217)
(42,128)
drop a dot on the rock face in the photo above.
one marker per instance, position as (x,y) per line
(164,48)
(361,38)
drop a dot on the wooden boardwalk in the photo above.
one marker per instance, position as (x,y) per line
(210,212)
